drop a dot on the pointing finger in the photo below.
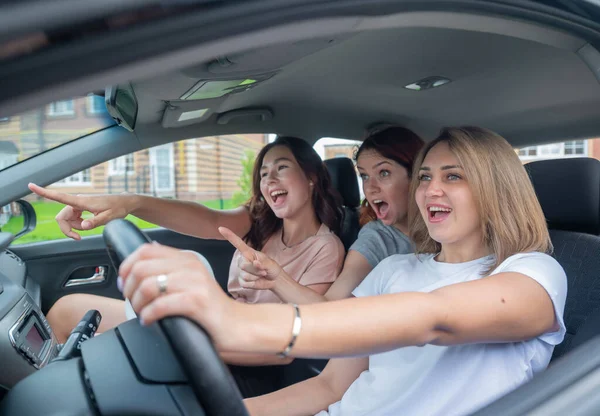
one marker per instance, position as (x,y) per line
(61,197)
(238,243)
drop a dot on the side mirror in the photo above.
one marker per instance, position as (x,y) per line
(17,218)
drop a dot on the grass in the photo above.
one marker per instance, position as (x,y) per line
(216,204)
(47,228)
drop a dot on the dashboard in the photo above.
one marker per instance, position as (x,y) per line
(27,342)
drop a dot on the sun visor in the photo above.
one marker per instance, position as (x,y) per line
(185,113)
(180,113)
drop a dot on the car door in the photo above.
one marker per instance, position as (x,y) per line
(205,170)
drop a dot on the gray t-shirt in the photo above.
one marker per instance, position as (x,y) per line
(376,241)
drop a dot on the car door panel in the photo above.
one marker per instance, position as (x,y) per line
(51,264)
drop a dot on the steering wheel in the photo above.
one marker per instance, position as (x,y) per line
(210,379)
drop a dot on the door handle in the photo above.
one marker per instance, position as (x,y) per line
(99,276)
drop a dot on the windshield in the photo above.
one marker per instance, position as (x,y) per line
(28,134)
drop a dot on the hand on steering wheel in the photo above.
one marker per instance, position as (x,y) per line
(161,281)
(169,285)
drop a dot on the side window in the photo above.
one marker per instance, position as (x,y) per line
(215,171)
(571,148)
(330,147)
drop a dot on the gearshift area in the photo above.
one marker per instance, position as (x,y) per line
(85,329)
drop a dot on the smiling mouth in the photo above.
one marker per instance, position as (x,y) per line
(438,214)
(278,195)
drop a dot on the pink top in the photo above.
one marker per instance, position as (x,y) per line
(318,259)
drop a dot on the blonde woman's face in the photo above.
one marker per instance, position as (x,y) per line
(445,199)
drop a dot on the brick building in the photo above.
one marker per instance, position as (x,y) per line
(197,169)
(574,148)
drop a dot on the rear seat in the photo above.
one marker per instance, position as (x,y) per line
(569,193)
(344,179)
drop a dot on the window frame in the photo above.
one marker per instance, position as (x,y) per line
(154,174)
(91,107)
(118,166)
(542,151)
(574,145)
(77,179)
(51,110)
(527,151)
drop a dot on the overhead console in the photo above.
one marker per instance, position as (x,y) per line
(212,82)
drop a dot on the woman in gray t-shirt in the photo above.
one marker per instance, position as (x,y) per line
(384,161)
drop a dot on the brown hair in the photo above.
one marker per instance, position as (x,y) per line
(510,214)
(396,143)
(325,199)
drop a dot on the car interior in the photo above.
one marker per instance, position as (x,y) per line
(527,70)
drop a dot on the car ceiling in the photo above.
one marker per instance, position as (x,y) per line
(526,82)
(340,76)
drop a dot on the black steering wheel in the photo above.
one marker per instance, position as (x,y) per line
(210,379)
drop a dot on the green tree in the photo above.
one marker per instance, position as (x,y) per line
(245,180)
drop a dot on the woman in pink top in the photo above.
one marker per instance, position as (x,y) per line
(296,217)
(293,216)
(313,263)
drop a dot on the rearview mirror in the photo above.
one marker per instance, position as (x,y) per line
(122,105)
(17,218)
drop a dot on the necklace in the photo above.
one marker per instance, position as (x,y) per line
(285,246)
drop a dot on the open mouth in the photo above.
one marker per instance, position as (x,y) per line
(278,196)
(380,207)
(438,213)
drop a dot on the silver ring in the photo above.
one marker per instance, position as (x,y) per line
(161,280)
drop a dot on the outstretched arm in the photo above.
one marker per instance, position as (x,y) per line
(504,307)
(182,216)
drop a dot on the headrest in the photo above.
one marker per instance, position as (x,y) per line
(343,178)
(569,193)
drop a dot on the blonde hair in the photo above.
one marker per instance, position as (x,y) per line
(511,217)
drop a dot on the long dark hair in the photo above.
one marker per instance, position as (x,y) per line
(396,143)
(325,199)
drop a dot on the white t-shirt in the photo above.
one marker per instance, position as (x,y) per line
(457,380)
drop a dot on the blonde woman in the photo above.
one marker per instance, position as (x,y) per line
(474,314)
